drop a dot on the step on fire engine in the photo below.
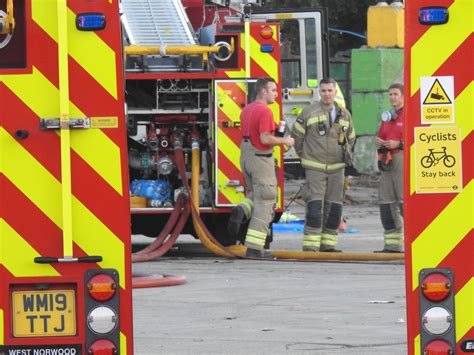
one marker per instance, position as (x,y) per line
(439,193)
(188,77)
(64,194)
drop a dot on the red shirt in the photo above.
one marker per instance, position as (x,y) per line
(255,119)
(392,130)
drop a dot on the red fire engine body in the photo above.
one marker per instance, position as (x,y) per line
(64,206)
(439,238)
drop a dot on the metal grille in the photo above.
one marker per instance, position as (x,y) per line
(156,22)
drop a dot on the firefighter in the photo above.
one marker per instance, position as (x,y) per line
(258,167)
(324,136)
(389,142)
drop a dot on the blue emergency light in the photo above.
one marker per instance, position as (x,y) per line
(433,15)
(90,22)
(266,48)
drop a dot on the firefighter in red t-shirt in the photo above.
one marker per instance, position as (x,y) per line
(389,143)
(258,167)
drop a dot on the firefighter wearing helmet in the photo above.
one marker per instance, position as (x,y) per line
(324,136)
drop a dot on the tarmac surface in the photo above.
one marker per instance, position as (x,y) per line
(277,307)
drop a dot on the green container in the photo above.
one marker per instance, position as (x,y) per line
(366,111)
(374,69)
(365,155)
(341,72)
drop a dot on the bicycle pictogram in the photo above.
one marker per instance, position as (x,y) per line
(433,158)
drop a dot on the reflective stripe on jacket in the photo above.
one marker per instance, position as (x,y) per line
(322,151)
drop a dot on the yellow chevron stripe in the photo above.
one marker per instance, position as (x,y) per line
(92,236)
(225,144)
(464,114)
(229,106)
(242,86)
(48,198)
(417,345)
(442,235)
(123,344)
(264,60)
(93,54)
(275,32)
(442,40)
(276,111)
(229,148)
(280,199)
(464,308)
(17,255)
(463,104)
(236,73)
(89,233)
(229,192)
(42,97)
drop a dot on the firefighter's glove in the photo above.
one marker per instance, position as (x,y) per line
(384,159)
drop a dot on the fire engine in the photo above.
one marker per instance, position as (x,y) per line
(188,76)
(438,185)
(64,206)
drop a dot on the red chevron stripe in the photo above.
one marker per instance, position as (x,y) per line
(30,121)
(469,335)
(417,223)
(416,32)
(222,199)
(234,134)
(257,70)
(467,149)
(94,192)
(235,88)
(108,35)
(85,91)
(45,147)
(48,242)
(229,167)
(456,260)
(92,99)
(42,44)
(451,66)
(437,202)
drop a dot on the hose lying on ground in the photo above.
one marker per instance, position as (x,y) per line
(156,280)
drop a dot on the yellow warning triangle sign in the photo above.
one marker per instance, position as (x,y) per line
(437,95)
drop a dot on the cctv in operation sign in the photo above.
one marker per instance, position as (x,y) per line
(438,162)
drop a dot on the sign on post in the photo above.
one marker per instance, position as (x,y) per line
(438,164)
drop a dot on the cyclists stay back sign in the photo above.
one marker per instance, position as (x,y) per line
(438,164)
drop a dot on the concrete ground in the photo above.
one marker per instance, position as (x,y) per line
(276,307)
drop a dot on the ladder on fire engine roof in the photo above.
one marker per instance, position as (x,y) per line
(156,23)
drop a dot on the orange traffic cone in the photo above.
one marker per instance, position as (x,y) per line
(342,225)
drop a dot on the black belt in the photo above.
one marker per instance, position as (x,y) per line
(266,155)
(246,138)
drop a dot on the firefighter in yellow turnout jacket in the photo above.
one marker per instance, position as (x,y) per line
(258,167)
(324,136)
